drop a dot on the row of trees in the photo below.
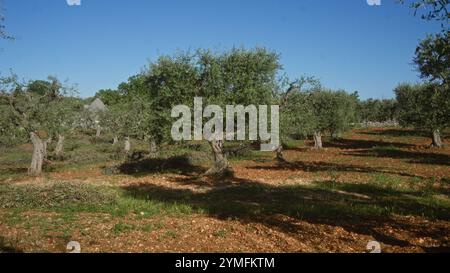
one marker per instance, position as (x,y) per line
(140,108)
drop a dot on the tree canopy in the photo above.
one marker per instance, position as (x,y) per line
(433,58)
(424,106)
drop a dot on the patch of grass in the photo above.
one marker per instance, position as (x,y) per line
(385,181)
(170,234)
(14,162)
(151,227)
(222,233)
(385,149)
(54,195)
(127,204)
(321,200)
(14,217)
(13,173)
(16,155)
(122,227)
(292,144)
(69,198)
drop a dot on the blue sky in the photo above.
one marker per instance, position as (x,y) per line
(345,43)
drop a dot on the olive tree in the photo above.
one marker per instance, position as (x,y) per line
(147,120)
(424,106)
(109,96)
(332,112)
(376,110)
(433,62)
(433,59)
(307,109)
(296,114)
(65,113)
(38,114)
(118,119)
(235,77)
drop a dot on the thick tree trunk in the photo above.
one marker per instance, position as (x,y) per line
(46,143)
(39,152)
(318,140)
(99,131)
(280,156)
(221,166)
(127,148)
(115,140)
(153,149)
(59,150)
(437,141)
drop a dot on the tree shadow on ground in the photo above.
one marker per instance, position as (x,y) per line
(356,208)
(363,144)
(322,166)
(8,173)
(6,248)
(177,164)
(398,133)
(411,156)
(403,133)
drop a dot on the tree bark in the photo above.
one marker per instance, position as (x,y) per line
(99,131)
(45,144)
(221,166)
(318,140)
(153,149)
(127,147)
(280,156)
(39,151)
(59,150)
(437,141)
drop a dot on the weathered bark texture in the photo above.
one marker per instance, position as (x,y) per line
(437,141)
(127,148)
(318,140)
(59,150)
(153,149)
(221,166)
(39,152)
(99,131)
(280,156)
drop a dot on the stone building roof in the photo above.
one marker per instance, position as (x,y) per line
(96,106)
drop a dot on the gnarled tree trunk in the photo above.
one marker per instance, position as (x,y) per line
(318,140)
(153,149)
(46,143)
(221,166)
(280,156)
(437,141)
(127,148)
(59,150)
(39,152)
(99,131)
